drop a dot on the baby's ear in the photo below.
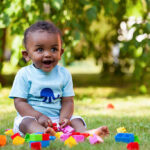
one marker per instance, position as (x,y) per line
(62,51)
(25,55)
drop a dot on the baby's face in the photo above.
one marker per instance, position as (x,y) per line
(44,49)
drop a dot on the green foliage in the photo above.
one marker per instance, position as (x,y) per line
(88,28)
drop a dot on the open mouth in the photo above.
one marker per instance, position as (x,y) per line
(47,62)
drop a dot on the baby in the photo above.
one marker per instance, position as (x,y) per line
(43,91)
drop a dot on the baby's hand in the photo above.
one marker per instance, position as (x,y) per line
(44,121)
(64,122)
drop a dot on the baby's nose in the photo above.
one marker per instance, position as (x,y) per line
(47,54)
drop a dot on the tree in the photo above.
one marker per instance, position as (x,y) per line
(88,27)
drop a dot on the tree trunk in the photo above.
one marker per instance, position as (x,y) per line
(2,49)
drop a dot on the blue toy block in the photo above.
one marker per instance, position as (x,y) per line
(124,137)
(52,137)
(43,143)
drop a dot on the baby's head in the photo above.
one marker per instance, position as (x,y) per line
(43,45)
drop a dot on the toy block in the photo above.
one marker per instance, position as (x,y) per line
(58,134)
(9,132)
(76,133)
(36,146)
(18,140)
(85,134)
(124,137)
(3,140)
(67,129)
(94,139)
(45,137)
(35,137)
(78,138)
(136,139)
(64,136)
(27,137)
(43,143)
(16,134)
(70,142)
(121,130)
(133,146)
(110,106)
(52,138)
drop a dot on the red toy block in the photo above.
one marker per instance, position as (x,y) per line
(75,133)
(85,134)
(54,124)
(36,146)
(133,146)
(3,140)
(110,106)
(13,136)
(55,128)
(45,137)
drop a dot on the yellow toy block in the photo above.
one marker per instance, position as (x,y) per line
(9,132)
(18,140)
(121,130)
(70,142)
(58,134)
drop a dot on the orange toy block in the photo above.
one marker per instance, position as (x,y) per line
(18,140)
(3,140)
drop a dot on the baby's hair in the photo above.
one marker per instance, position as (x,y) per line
(41,26)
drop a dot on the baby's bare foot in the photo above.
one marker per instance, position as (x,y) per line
(50,131)
(101,131)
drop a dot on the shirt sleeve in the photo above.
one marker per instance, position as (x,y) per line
(68,86)
(20,86)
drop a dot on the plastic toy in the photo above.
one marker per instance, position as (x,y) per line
(36,146)
(136,139)
(9,132)
(133,146)
(15,135)
(64,136)
(58,134)
(3,140)
(67,129)
(52,138)
(78,138)
(41,137)
(121,130)
(93,139)
(70,142)
(110,106)
(18,140)
(124,137)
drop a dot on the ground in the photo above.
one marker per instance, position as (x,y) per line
(92,96)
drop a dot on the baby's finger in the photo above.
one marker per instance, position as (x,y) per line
(49,123)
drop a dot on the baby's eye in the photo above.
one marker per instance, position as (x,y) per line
(53,49)
(39,50)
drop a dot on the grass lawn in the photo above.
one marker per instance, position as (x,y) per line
(92,96)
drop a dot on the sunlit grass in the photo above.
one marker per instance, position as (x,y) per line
(92,97)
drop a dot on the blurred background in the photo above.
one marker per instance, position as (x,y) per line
(105,41)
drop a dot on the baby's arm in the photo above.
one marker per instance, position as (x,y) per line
(25,109)
(66,110)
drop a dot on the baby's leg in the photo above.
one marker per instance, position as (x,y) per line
(30,125)
(78,125)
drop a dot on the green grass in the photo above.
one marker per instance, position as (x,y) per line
(92,96)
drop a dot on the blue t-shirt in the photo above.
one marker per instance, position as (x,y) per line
(43,90)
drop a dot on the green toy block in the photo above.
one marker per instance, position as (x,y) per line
(27,137)
(136,139)
(35,137)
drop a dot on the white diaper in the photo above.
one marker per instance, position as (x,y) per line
(19,119)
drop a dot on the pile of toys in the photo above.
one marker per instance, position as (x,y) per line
(39,140)
(130,138)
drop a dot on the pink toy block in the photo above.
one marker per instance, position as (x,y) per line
(67,129)
(93,139)
(78,138)
(64,137)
